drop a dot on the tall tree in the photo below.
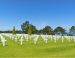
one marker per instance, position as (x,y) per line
(40,31)
(72,30)
(59,30)
(48,30)
(34,30)
(30,30)
(25,27)
(14,31)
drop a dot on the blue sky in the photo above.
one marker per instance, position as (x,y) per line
(39,12)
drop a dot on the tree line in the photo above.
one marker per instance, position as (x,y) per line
(28,28)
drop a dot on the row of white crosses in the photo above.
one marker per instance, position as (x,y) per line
(56,37)
(45,37)
(70,37)
(35,38)
(18,37)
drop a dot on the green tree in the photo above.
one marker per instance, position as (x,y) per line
(48,30)
(72,30)
(25,27)
(40,31)
(59,29)
(34,30)
(14,30)
(30,30)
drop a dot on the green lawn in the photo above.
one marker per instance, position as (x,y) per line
(40,50)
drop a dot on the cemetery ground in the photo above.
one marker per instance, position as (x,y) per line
(40,50)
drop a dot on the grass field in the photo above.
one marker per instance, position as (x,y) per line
(40,50)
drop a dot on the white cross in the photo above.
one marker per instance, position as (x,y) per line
(21,40)
(3,40)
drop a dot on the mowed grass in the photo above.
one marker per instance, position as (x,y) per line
(40,50)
